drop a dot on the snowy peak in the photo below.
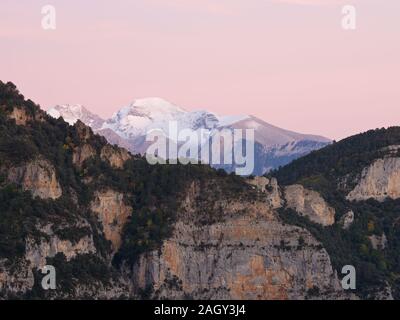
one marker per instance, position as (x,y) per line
(156,106)
(155,113)
(270,135)
(151,108)
(71,113)
(141,115)
(129,126)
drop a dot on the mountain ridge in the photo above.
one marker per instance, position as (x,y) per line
(131,124)
(116,227)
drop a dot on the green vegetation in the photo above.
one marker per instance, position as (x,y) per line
(83,270)
(154,192)
(324,171)
(22,216)
(158,191)
(322,168)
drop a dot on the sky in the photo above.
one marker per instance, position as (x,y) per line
(288,62)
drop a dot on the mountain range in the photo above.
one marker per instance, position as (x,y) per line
(115,227)
(274,147)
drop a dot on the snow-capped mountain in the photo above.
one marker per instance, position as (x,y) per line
(71,113)
(128,127)
(144,115)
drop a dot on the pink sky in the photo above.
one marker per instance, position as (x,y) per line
(288,62)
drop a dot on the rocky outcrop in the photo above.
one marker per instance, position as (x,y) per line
(18,278)
(347,219)
(113,213)
(270,188)
(378,242)
(85,150)
(379,181)
(82,153)
(309,203)
(37,176)
(115,156)
(15,280)
(20,116)
(384,293)
(84,132)
(38,251)
(251,255)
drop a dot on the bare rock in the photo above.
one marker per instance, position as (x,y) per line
(82,153)
(379,181)
(20,116)
(378,242)
(37,176)
(84,132)
(251,255)
(347,219)
(113,213)
(309,203)
(115,156)
(271,188)
(37,252)
(15,280)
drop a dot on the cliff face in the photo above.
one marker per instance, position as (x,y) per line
(37,176)
(113,213)
(116,157)
(250,255)
(309,203)
(20,116)
(381,180)
(82,153)
(37,251)
(212,237)
(17,279)
(271,190)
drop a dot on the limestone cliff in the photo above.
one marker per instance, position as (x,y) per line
(270,188)
(197,233)
(38,251)
(379,181)
(115,156)
(113,213)
(251,255)
(20,116)
(309,203)
(37,176)
(347,219)
(18,279)
(82,153)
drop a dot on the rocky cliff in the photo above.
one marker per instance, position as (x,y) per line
(114,226)
(309,203)
(113,214)
(250,255)
(37,176)
(380,180)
